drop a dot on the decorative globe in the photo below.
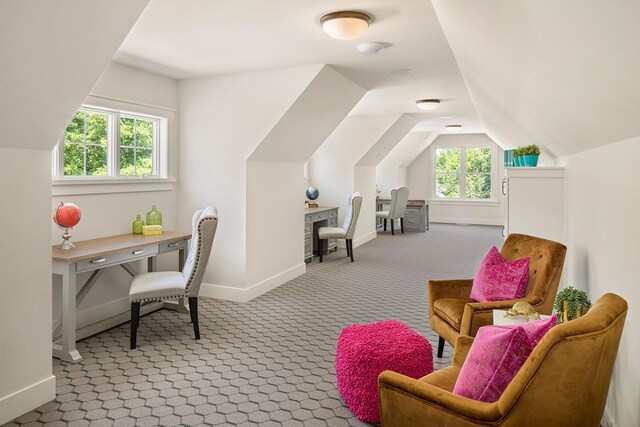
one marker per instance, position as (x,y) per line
(312,193)
(67,215)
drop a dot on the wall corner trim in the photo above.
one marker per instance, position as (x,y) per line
(27,399)
(231,293)
(364,239)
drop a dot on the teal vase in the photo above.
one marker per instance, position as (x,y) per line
(154,217)
(137,225)
(516,161)
(530,160)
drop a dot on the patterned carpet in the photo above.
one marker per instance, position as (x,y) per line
(269,362)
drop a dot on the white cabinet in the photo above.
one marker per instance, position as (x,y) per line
(535,202)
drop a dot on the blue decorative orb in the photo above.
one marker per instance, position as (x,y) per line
(312,193)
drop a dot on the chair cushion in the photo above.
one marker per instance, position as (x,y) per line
(450,310)
(495,357)
(365,351)
(157,285)
(332,233)
(498,279)
(382,214)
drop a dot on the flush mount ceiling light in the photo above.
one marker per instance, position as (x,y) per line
(345,24)
(453,128)
(428,104)
(370,48)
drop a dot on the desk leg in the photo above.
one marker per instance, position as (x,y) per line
(181,259)
(152,263)
(427,206)
(68,350)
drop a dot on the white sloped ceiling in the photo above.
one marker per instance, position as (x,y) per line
(562,74)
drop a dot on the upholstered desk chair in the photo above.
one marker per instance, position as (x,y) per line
(452,313)
(399,199)
(564,382)
(164,285)
(347,230)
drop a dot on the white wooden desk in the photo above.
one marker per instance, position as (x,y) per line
(96,255)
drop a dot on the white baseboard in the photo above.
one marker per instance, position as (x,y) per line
(470,221)
(27,399)
(364,239)
(232,293)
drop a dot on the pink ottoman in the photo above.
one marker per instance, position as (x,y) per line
(364,351)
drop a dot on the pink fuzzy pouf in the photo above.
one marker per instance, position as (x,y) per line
(364,351)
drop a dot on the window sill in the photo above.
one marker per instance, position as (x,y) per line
(80,186)
(458,202)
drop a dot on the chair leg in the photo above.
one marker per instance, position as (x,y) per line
(193,309)
(440,346)
(350,245)
(135,321)
(402,225)
(320,249)
(346,242)
(384,224)
(392,221)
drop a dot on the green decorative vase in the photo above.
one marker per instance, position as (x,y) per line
(137,225)
(154,217)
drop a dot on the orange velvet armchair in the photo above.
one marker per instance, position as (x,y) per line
(452,313)
(564,382)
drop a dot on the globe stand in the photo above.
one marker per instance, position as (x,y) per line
(66,243)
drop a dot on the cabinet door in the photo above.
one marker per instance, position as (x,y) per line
(536,207)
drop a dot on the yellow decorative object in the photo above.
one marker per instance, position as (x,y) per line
(152,230)
(522,309)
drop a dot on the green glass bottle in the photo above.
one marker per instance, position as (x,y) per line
(137,225)
(154,217)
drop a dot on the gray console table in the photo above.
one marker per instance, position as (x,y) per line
(315,218)
(416,217)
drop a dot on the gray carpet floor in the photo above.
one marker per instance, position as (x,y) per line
(268,362)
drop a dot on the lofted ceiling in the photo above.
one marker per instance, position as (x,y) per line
(195,38)
(562,74)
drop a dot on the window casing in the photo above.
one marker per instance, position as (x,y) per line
(464,172)
(102,143)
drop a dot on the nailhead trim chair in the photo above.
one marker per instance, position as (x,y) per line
(347,230)
(164,285)
(453,313)
(399,199)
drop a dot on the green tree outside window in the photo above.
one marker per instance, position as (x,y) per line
(456,168)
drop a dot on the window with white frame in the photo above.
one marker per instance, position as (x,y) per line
(108,143)
(464,172)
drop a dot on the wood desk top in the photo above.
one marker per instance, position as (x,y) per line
(107,245)
(319,209)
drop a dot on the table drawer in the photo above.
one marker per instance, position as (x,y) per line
(319,216)
(413,211)
(333,214)
(172,246)
(117,258)
(308,246)
(308,227)
(333,222)
(307,218)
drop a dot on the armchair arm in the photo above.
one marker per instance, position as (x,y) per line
(406,401)
(478,314)
(461,350)
(459,289)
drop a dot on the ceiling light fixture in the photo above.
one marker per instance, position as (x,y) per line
(370,48)
(428,104)
(345,24)
(446,117)
(453,128)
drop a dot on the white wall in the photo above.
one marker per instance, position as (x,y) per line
(603,252)
(25,262)
(230,119)
(332,166)
(112,213)
(420,181)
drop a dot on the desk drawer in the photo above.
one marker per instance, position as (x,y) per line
(333,213)
(172,246)
(413,211)
(117,258)
(308,247)
(319,216)
(308,227)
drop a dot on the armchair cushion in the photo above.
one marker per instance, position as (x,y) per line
(496,356)
(157,285)
(450,310)
(498,279)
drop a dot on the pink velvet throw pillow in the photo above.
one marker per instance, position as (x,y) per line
(498,279)
(496,355)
